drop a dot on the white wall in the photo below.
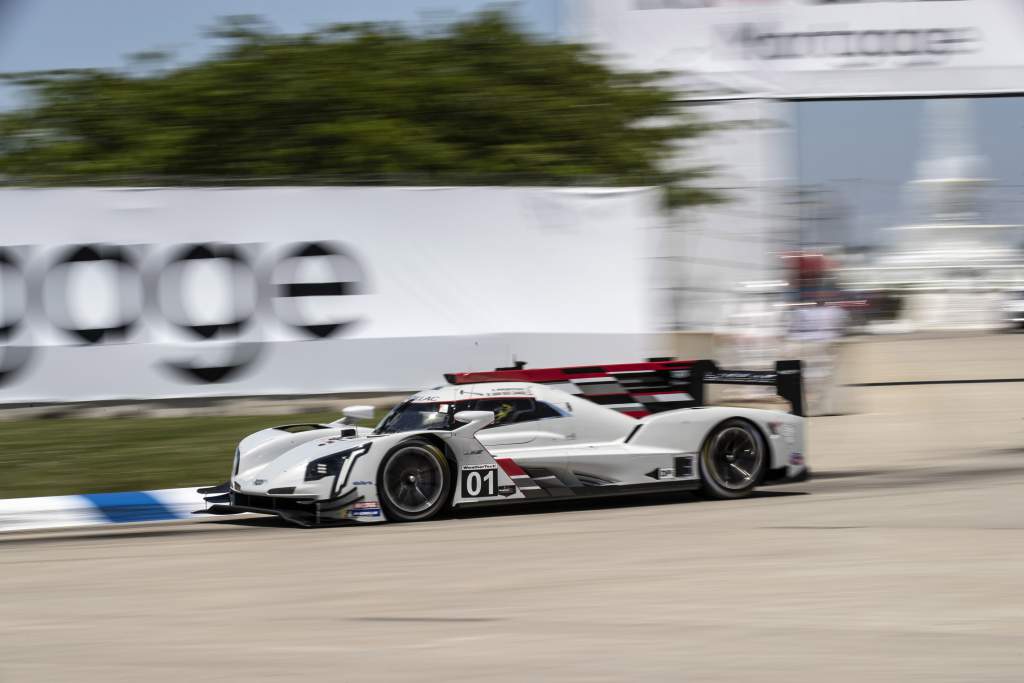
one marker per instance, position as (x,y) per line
(439,280)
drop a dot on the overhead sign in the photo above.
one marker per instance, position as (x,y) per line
(819,48)
(146,294)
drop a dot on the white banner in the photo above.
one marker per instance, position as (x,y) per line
(818,48)
(144,294)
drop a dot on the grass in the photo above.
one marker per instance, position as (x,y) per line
(59,457)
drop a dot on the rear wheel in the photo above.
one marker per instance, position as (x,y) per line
(733,460)
(415,482)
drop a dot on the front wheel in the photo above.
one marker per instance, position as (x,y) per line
(733,460)
(414,481)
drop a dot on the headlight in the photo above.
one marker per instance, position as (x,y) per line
(325,467)
(238,458)
(330,465)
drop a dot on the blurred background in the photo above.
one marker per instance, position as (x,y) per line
(215,202)
(219,216)
(247,206)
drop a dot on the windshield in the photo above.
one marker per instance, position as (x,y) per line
(413,417)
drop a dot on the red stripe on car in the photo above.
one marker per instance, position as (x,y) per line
(510,467)
(545,375)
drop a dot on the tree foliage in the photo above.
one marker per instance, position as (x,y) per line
(481,102)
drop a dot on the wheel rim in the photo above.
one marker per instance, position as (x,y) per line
(413,480)
(735,458)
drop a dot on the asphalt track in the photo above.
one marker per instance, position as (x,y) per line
(902,561)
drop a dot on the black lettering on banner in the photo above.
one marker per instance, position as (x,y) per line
(348,279)
(872,43)
(9,268)
(221,363)
(756,41)
(479,481)
(239,358)
(845,48)
(953,41)
(143,286)
(906,43)
(13,359)
(170,294)
(937,39)
(58,276)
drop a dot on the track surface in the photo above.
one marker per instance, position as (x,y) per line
(902,561)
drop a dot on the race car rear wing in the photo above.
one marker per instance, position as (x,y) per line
(787,378)
(640,389)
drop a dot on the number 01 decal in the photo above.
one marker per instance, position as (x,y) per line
(479,481)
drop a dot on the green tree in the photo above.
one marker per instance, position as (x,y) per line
(482,102)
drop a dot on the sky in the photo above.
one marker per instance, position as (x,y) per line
(55,34)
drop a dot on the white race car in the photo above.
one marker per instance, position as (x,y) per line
(516,435)
(1014,309)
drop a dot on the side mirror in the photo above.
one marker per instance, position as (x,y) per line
(473,421)
(354,413)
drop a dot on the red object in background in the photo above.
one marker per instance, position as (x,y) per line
(809,266)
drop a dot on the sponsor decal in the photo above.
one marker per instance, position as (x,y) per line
(683,469)
(479,481)
(740,377)
(510,391)
(259,482)
(364,508)
(506,490)
(796,459)
(362,483)
(364,513)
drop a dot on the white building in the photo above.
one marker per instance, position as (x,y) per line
(951,269)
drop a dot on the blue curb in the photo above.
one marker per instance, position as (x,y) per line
(135,506)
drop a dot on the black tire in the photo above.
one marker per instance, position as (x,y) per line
(414,481)
(733,460)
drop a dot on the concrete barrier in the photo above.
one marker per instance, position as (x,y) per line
(932,358)
(54,512)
